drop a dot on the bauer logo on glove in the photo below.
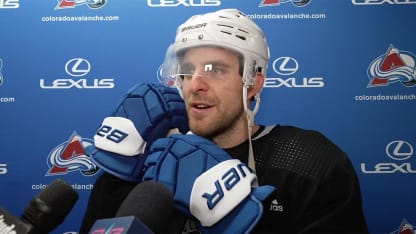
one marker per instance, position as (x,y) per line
(217,191)
(147,112)
(118,135)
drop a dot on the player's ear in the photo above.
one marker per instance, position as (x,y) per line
(257,86)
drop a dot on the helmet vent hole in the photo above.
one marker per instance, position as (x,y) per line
(226,32)
(224,25)
(241,37)
(224,17)
(242,30)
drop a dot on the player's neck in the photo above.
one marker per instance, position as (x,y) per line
(234,136)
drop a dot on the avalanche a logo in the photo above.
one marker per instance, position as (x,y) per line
(405,228)
(92,4)
(297,3)
(395,66)
(70,156)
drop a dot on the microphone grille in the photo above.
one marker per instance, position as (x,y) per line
(151,203)
(50,207)
(59,194)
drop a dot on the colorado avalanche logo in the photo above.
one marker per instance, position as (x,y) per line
(391,67)
(70,156)
(92,4)
(405,228)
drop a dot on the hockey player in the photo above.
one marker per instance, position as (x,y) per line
(268,179)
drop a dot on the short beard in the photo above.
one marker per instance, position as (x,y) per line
(219,127)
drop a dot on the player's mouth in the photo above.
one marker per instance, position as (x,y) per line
(200,107)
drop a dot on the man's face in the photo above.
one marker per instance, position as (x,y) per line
(213,90)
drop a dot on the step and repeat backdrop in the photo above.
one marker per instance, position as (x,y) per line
(345,68)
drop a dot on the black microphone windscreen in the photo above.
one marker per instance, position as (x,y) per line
(50,207)
(151,203)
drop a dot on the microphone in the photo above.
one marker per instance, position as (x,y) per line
(44,212)
(147,209)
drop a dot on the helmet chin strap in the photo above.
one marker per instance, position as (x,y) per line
(250,123)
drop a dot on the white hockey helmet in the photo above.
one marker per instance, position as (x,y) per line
(227,28)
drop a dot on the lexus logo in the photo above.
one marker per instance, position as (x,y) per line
(77,67)
(399,150)
(285,66)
